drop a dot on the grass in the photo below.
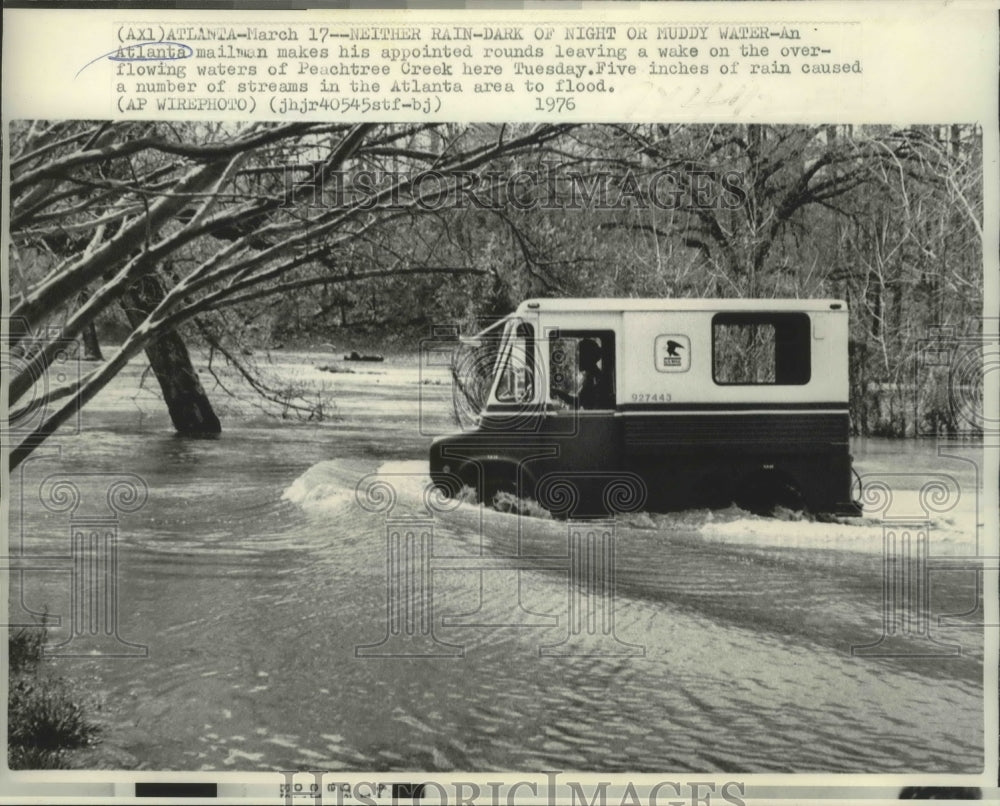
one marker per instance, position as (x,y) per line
(24,649)
(45,718)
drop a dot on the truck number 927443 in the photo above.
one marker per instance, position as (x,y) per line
(650,397)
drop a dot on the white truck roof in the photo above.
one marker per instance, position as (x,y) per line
(606,304)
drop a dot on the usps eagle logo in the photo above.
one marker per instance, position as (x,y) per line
(673,352)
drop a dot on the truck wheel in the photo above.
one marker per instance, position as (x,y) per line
(497,480)
(714,492)
(761,492)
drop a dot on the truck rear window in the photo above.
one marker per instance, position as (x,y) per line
(761,349)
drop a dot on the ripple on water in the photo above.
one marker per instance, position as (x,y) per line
(747,660)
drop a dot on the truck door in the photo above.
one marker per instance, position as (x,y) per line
(581,404)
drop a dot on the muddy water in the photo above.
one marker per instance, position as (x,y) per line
(253,575)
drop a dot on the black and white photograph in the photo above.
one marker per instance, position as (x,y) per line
(644,455)
(699,382)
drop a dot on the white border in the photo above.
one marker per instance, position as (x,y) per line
(932,62)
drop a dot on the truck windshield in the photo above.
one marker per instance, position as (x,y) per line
(516,364)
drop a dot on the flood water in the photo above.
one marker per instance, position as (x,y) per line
(253,576)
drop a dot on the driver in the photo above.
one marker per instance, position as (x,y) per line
(594,391)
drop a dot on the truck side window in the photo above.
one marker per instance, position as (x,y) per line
(517,377)
(581,368)
(761,349)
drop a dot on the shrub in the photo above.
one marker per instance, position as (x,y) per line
(44,716)
(25,649)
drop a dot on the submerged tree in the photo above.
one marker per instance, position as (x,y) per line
(201,231)
(176,221)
